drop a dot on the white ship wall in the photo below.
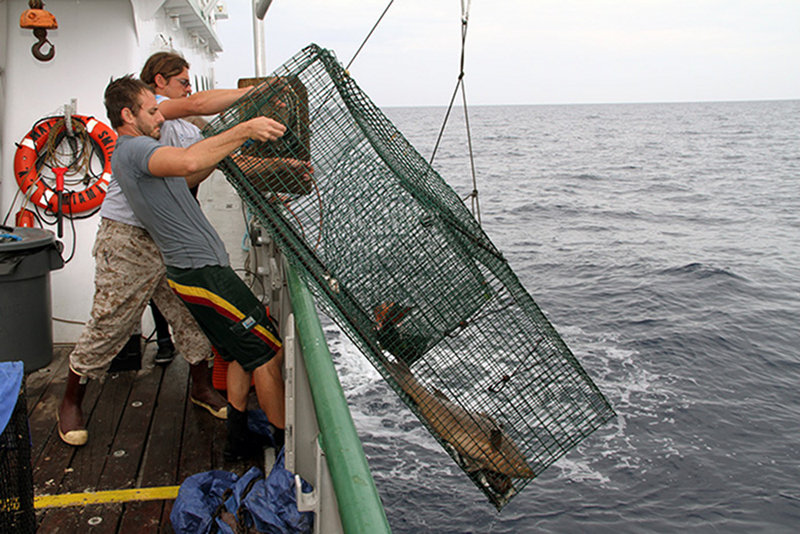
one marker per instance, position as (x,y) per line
(95,40)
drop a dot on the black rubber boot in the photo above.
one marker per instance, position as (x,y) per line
(241,443)
(278,437)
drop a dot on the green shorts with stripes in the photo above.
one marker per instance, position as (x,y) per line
(231,316)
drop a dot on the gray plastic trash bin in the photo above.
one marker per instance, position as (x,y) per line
(27,255)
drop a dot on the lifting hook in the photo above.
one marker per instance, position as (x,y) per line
(36,49)
(39,20)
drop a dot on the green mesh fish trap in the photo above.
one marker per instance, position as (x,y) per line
(396,259)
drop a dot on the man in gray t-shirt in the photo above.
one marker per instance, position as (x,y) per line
(235,321)
(183,233)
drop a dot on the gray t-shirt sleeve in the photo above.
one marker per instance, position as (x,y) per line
(140,150)
(136,157)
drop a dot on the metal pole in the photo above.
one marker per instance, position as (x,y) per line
(259,52)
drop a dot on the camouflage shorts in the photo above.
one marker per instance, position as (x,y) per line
(129,271)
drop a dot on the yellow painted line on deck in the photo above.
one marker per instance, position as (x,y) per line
(106,497)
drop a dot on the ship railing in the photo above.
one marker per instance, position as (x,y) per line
(322,445)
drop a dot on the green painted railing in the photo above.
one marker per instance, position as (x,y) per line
(360,507)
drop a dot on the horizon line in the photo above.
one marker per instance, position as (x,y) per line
(619,103)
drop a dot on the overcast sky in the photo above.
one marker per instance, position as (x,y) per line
(537,51)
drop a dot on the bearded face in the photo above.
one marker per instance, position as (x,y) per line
(148,119)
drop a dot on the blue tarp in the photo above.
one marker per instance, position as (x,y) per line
(11,374)
(270,505)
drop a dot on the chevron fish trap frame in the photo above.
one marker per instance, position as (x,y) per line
(406,271)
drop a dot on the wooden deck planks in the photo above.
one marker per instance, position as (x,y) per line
(143,432)
(37,382)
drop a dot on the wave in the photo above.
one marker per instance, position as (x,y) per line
(700,271)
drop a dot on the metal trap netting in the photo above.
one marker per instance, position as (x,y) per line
(17,512)
(406,271)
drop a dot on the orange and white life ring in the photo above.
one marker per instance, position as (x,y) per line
(37,190)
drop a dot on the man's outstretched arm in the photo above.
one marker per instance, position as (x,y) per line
(174,161)
(202,103)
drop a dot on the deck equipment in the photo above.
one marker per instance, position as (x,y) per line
(397,260)
(39,20)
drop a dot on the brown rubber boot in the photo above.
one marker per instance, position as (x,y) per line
(203,393)
(71,426)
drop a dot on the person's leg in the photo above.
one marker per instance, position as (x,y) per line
(271,395)
(238,384)
(166,349)
(239,326)
(270,390)
(195,348)
(241,442)
(124,281)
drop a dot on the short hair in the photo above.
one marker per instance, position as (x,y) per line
(167,64)
(123,93)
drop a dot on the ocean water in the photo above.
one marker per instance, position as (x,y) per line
(663,242)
